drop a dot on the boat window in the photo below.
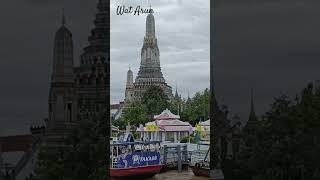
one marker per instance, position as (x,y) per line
(114,151)
(157,147)
(152,147)
(138,148)
(148,147)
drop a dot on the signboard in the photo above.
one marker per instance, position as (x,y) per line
(138,159)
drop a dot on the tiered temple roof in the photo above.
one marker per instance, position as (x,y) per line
(165,115)
(167,121)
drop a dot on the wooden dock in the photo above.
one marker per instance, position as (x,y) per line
(175,156)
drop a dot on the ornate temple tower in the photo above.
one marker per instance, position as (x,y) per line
(129,87)
(61,95)
(91,76)
(250,129)
(252,122)
(150,71)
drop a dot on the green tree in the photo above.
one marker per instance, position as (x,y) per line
(83,155)
(287,139)
(197,107)
(155,100)
(121,123)
(135,114)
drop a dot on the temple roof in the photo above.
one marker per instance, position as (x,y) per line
(168,121)
(168,125)
(172,123)
(205,123)
(166,115)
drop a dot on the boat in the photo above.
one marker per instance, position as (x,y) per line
(199,166)
(201,169)
(131,158)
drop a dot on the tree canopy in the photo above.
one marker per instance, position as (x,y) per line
(287,140)
(135,114)
(197,107)
(154,100)
(83,154)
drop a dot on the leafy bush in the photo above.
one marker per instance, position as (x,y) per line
(186,139)
(136,135)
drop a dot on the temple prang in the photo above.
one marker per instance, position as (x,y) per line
(79,93)
(149,73)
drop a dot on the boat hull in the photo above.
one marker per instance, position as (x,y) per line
(145,171)
(200,171)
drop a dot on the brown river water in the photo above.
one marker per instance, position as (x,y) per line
(184,175)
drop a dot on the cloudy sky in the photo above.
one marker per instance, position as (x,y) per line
(183,33)
(272,46)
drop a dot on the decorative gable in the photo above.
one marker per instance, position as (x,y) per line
(165,115)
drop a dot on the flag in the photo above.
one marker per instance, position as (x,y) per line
(197,137)
(197,133)
(198,128)
(152,128)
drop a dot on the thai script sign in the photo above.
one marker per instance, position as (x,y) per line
(138,159)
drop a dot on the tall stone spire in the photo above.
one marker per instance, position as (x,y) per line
(176,95)
(61,105)
(150,71)
(99,38)
(129,78)
(251,125)
(252,116)
(129,86)
(150,26)
(92,80)
(63,55)
(150,55)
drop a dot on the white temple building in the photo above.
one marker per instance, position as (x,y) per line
(167,127)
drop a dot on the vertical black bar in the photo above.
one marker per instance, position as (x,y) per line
(211,89)
(108,98)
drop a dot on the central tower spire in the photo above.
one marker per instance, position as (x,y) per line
(150,26)
(150,71)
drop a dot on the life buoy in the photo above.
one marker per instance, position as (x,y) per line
(197,165)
